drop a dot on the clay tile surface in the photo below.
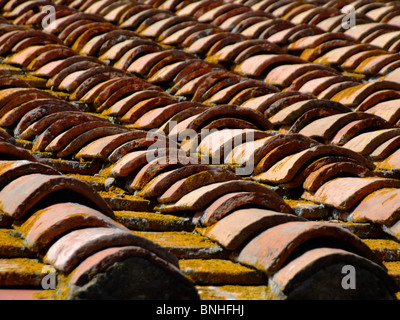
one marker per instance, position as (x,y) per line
(277,238)
(169,149)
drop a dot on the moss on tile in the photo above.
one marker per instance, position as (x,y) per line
(393,268)
(235,292)
(186,244)
(12,246)
(21,272)
(220,272)
(386,250)
(149,221)
(122,201)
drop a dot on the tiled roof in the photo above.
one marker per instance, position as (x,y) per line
(281,87)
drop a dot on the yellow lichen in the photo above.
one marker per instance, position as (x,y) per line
(235,292)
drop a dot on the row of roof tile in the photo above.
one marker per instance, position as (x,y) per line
(202,190)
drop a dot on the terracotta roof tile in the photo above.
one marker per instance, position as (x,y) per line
(92,107)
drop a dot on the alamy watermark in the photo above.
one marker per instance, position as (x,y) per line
(349,280)
(349,20)
(49,18)
(49,280)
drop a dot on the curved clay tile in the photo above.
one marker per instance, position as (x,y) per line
(328,172)
(316,40)
(258,66)
(120,49)
(136,144)
(46,57)
(181,30)
(291,75)
(164,180)
(26,56)
(122,106)
(225,95)
(139,19)
(85,138)
(289,114)
(206,77)
(201,198)
(286,169)
(185,185)
(289,282)
(353,190)
(94,79)
(212,83)
(89,33)
(385,149)
(224,205)
(96,45)
(94,7)
(63,126)
(37,186)
(361,32)
(24,7)
(8,151)
(265,152)
(271,104)
(195,33)
(11,38)
(327,127)
(52,68)
(377,97)
(374,65)
(132,54)
(340,55)
(355,95)
(365,143)
(11,170)
(233,230)
(380,207)
(75,79)
(257,29)
(68,251)
(57,80)
(29,112)
(102,147)
(112,91)
(141,108)
(46,225)
(232,51)
(60,24)
(290,35)
(146,62)
(9,98)
(154,168)
(240,10)
(233,111)
(386,40)
(217,144)
(157,28)
(319,85)
(272,248)
(137,159)
(310,116)
(61,139)
(98,262)
(356,127)
(389,110)
(391,163)
(37,127)
(7,81)
(313,54)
